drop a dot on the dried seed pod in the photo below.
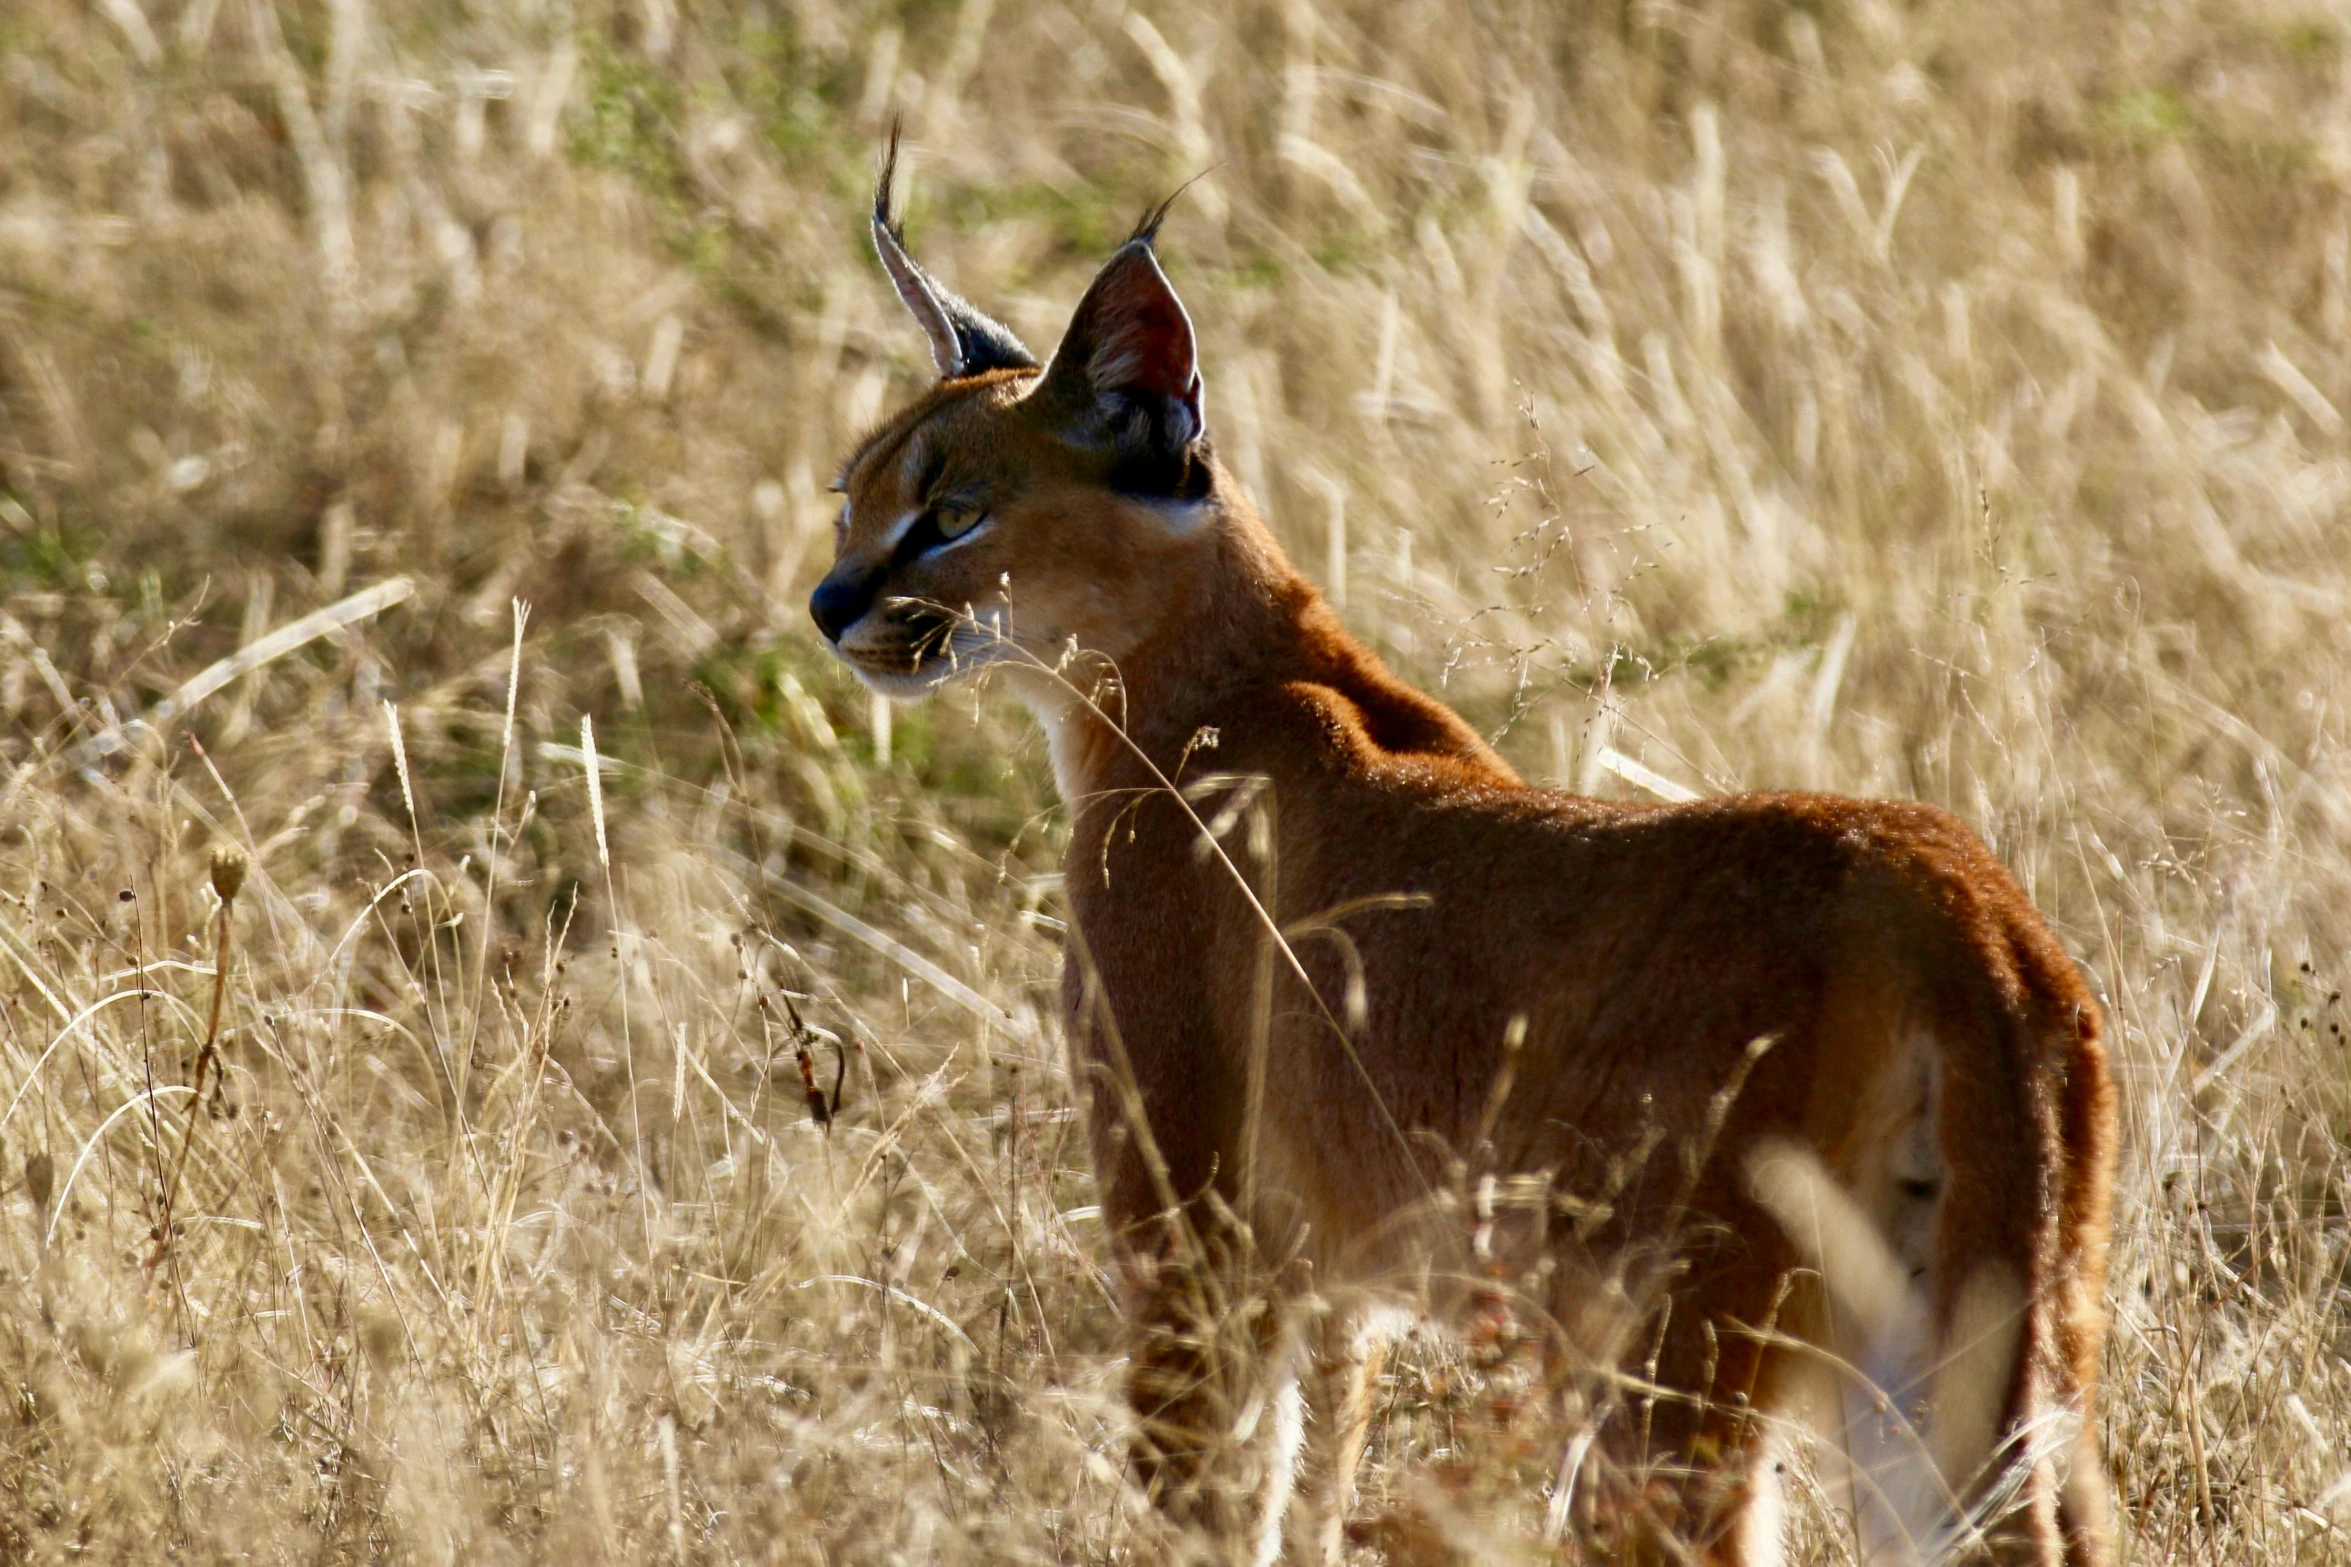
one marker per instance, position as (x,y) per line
(40,1179)
(229,865)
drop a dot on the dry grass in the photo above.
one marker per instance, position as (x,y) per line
(1936,401)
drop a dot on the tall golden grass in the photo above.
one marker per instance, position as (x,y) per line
(1939,401)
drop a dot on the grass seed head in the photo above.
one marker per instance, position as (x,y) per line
(229,865)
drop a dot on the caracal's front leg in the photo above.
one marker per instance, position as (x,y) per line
(1178,1386)
(1215,1404)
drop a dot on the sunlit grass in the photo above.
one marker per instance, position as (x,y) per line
(1934,403)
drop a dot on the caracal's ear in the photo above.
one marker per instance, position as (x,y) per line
(1127,373)
(963,341)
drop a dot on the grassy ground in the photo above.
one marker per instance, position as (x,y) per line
(1941,401)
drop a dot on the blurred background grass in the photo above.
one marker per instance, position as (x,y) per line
(1931,400)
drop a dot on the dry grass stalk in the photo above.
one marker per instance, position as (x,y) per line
(229,865)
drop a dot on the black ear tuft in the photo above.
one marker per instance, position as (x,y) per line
(1147,228)
(963,341)
(1127,373)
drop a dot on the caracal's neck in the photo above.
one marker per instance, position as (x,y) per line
(1233,620)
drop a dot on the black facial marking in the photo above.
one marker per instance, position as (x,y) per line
(921,537)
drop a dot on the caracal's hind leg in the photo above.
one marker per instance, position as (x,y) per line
(1338,1367)
(1691,1471)
(2085,1506)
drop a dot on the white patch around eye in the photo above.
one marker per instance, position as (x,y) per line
(897,531)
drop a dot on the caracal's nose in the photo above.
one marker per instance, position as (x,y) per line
(842,599)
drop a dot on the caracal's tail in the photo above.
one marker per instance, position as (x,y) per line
(1964,1347)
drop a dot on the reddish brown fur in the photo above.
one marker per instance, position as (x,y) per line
(1645,948)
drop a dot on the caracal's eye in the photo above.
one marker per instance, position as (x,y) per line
(957,518)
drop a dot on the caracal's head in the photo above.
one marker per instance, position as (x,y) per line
(1016,509)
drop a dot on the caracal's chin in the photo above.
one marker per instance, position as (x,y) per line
(887,665)
(900,685)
